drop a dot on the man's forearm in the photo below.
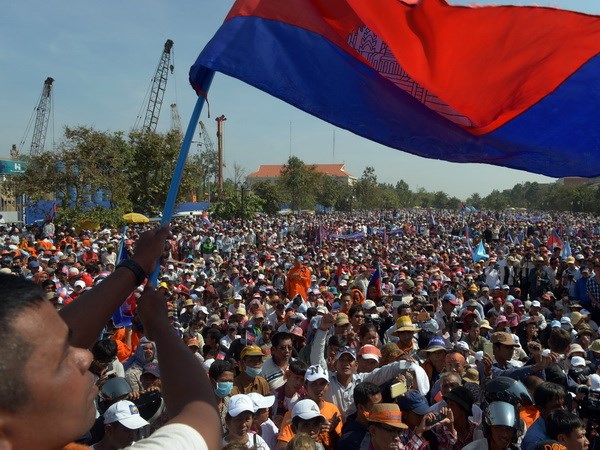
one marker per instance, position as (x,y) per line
(87,315)
(183,378)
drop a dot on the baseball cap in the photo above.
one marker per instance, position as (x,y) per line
(306,409)
(414,401)
(451,298)
(501,337)
(536,304)
(152,368)
(126,413)
(577,361)
(261,401)
(348,350)
(369,304)
(239,403)
(369,351)
(314,373)
(251,350)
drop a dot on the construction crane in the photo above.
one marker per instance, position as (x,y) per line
(157,89)
(175,120)
(42,118)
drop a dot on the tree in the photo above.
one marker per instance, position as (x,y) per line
(152,161)
(366,190)
(234,206)
(328,190)
(88,166)
(270,194)
(298,181)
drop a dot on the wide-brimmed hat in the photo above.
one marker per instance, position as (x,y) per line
(405,324)
(435,343)
(390,353)
(485,325)
(386,413)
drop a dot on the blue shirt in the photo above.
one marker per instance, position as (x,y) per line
(535,435)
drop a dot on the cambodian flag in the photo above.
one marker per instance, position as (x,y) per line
(512,86)
(554,240)
(374,291)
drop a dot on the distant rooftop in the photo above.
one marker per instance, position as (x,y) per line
(274,170)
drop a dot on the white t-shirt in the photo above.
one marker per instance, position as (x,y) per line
(174,435)
(252,439)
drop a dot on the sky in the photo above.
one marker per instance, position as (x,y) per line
(103,55)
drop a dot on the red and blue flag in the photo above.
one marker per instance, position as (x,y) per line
(512,86)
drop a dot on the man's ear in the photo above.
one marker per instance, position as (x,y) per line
(562,438)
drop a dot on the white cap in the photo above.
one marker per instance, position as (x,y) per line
(565,320)
(343,283)
(314,373)
(577,361)
(79,283)
(369,304)
(322,310)
(203,310)
(237,297)
(260,401)
(126,413)
(536,304)
(240,403)
(261,276)
(170,267)
(306,409)
(594,381)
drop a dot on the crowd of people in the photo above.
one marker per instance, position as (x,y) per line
(371,330)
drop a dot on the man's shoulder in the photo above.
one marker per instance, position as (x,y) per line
(174,435)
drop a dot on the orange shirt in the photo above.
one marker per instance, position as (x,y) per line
(298,282)
(328,410)
(529,414)
(124,351)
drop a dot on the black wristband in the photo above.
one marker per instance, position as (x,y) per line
(140,274)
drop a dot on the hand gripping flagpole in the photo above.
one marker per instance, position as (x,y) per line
(203,87)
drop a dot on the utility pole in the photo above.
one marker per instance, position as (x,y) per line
(220,121)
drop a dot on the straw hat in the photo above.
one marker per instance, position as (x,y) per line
(387,414)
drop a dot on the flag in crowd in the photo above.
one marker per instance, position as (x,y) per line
(554,240)
(374,287)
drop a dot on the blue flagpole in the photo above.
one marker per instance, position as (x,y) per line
(183,154)
(122,244)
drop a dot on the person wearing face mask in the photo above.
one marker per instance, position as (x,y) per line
(221,374)
(251,361)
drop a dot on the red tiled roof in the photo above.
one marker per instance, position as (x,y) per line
(274,170)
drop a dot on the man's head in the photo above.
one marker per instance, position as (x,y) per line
(43,376)
(566,428)
(455,362)
(282,346)
(316,383)
(121,422)
(307,418)
(503,346)
(346,361)
(386,426)
(549,397)
(414,406)
(366,395)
